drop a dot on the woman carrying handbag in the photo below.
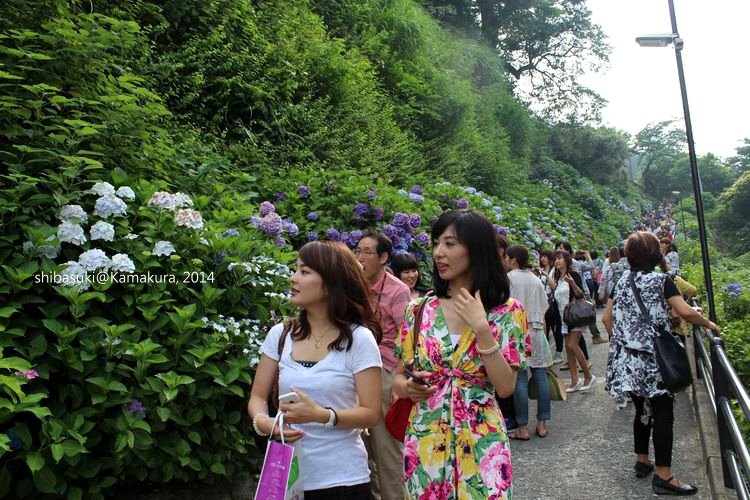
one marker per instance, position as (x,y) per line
(638,312)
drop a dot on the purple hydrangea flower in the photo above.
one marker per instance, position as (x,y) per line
(462,203)
(279,241)
(416,198)
(333,235)
(361,210)
(371,194)
(290,228)
(28,374)
(377,214)
(312,236)
(355,236)
(415,220)
(390,231)
(136,406)
(303,191)
(266,208)
(312,216)
(423,239)
(345,238)
(501,230)
(416,189)
(400,219)
(281,196)
(230,232)
(271,224)
(396,240)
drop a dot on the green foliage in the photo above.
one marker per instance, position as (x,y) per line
(597,153)
(730,217)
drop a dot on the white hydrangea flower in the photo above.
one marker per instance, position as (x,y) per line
(103,189)
(48,251)
(110,205)
(189,218)
(182,200)
(204,241)
(122,263)
(74,275)
(130,236)
(126,193)
(102,231)
(168,201)
(69,213)
(92,260)
(163,248)
(27,247)
(68,232)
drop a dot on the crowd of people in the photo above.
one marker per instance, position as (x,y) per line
(367,334)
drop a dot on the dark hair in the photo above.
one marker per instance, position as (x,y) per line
(404,262)
(580,255)
(566,246)
(475,231)
(550,256)
(521,254)
(568,262)
(502,242)
(349,300)
(614,255)
(643,251)
(383,243)
(594,254)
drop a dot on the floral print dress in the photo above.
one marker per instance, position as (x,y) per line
(456,445)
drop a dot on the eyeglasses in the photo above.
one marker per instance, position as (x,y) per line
(359,252)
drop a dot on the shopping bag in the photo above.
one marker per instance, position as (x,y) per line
(280,477)
(557,390)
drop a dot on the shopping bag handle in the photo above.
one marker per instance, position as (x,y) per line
(279,418)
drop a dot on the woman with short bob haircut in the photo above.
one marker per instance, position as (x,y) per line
(631,365)
(328,355)
(469,344)
(406,268)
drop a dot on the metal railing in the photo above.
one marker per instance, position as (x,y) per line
(723,385)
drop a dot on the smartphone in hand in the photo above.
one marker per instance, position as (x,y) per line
(415,378)
(289,397)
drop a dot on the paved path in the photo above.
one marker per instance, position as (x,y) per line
(588,452)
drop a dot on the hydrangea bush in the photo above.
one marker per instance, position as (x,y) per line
(137,362)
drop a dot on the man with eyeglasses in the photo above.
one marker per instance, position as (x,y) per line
(390,298)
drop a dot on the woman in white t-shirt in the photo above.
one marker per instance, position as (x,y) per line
(330,359)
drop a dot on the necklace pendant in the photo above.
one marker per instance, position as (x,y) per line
(317,344)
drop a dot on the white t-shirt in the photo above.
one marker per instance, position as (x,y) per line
(328,457)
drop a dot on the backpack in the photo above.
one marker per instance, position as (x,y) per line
(618,269)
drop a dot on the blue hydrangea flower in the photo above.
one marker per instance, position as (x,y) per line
(230,232)
(354,237)
(312,236)
(470,190)
(416,198)
(218,258)
(312,216)
(290,228)
(333,235)
(390,231)
(136,406)
(402,192)
(303,191)
(462,203)
(416,189)
(280,196)
(371,194)
(279,241)
(377,214)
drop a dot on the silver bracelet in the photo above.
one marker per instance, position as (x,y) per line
(255,424)
(491,350)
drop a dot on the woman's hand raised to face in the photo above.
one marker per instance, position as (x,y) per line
(471,310)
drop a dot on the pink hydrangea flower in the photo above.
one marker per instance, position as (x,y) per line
(28,374)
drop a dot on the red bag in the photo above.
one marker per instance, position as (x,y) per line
(397,416)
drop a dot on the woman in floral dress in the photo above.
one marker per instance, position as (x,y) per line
(468,346)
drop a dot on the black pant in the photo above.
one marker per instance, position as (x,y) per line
(552,317)
(661,421)
(356,492)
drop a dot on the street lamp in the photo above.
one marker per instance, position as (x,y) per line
(663,40)
(682,214)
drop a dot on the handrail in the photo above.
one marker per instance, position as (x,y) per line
(723,384)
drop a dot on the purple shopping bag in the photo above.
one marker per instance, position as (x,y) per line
(280,477)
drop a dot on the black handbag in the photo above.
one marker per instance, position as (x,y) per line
(580,312)
(671,355)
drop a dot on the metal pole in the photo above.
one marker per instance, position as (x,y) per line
(721,392)
(693,168)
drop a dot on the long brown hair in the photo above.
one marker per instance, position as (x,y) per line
(349,301)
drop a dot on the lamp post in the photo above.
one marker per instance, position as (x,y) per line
(663,40)
(682,214)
